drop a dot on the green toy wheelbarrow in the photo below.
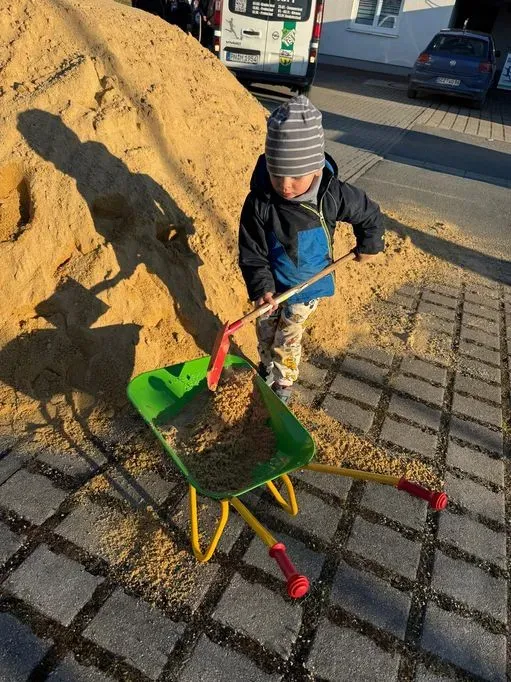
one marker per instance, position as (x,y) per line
(161,394)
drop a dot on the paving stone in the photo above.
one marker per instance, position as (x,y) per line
(477,435)
(31,496)
(408,437)
(10,464)
(465,643)
(475,462)
(431,309)
(475,497)
(419,389)
(74,464)
(406,302)
(481,323)
(479,369)
(371,599)
(145,490)
(85,527)
(348,413)
(20,649)
(303,395)
(9,543)
(432,322)
(482,311)
(314,515)
(444,290)
(364,369)
(71,671)
(415,412)
(395,504)
(425,370)
(265,616)
(55,585)
(357,390)
(328,483)
(482,300)
(408,290)
(483,338)
(377,355)
(311,374)
(439,299)
(471,407)
(473,537)
(307,561)
(425,675)
(209,661)
(138,632)
(488,289)
(470,585)
(343,655)
(384,546)
(477,388)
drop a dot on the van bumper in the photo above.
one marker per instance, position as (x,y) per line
(286,80)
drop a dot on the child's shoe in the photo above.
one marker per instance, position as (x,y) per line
(266,376)
(283,392)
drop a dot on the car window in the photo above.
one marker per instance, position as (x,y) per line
(461,46)
(281,10)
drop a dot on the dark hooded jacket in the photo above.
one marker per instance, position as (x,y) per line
(283,243)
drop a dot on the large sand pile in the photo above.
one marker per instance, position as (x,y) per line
(125,155)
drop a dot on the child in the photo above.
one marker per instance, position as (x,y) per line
(286,232)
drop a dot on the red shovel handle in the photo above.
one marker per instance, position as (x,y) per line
(436,500)
(297,585)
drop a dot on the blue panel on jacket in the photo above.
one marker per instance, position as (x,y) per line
(313,256)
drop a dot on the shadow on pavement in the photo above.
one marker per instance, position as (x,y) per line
(491,267)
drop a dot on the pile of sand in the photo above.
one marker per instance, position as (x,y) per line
(222,436)
(118,214)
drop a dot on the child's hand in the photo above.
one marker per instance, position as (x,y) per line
(267,298)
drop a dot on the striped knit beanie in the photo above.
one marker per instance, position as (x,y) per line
(295,142)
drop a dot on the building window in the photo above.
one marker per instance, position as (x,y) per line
(376,16)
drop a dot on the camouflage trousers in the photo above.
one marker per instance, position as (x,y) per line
(279,337)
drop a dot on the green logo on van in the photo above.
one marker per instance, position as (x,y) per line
(287,46)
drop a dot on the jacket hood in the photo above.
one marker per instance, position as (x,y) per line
(260,182)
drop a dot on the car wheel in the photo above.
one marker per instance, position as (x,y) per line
(412,92)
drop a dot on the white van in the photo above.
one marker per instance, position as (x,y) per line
(270,41)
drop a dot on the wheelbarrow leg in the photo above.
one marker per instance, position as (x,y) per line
(194,527)
(297,585)
(291,507)
(436,500)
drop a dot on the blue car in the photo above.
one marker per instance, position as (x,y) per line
(456,62)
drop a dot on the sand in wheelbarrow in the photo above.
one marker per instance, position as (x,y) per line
(338,446)
(223,435)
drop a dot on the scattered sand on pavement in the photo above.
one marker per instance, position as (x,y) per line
(338,446)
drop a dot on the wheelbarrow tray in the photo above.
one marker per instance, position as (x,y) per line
(161,394)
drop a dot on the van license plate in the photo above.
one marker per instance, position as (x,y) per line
(448,81)
(242,58)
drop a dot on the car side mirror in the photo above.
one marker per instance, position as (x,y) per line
(498,53)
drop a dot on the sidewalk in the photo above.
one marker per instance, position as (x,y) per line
(399,592)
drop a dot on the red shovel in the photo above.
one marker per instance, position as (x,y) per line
(221,347)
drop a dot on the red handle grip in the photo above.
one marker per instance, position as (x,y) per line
(297,585)
(435,500)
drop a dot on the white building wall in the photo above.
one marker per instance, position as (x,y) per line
(418,23)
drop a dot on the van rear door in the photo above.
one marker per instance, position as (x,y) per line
(272,36)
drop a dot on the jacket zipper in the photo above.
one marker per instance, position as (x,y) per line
(323,223)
